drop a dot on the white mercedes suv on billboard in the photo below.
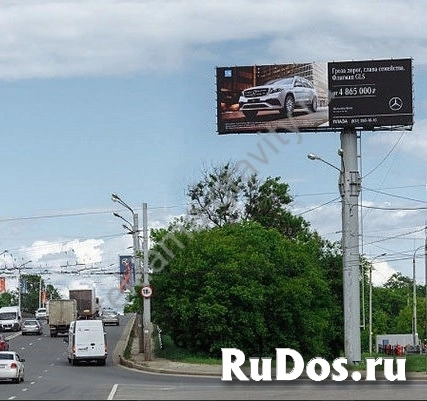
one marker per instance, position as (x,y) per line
(282,95)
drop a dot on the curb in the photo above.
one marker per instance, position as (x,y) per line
(124,342)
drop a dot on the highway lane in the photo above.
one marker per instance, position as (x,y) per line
(49,376)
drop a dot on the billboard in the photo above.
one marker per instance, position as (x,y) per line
(316,96)
(127,273)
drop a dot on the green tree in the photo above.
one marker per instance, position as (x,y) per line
(245,286)
(215,198)
(30,292)
(6,299)
(224,195)
(266,202)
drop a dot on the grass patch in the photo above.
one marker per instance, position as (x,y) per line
(128,349)
(174,353)
(414,362)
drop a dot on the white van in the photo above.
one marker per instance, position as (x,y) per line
(10,318)
(86,342)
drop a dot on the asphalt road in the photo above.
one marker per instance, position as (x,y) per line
(49,376)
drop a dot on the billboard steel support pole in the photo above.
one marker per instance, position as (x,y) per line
(349,185)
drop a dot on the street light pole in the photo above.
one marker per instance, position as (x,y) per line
(137,260)
(370,300)
(19,281)
(414,299)
(425,283)
(147,325)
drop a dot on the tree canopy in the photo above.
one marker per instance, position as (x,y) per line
(245,286)
(224,195)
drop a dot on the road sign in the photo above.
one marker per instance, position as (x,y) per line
(146,291)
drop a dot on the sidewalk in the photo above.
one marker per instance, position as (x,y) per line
(158,365)
(165,366)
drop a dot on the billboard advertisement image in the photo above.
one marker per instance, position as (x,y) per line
(315,96)
(272,98)
(127,273)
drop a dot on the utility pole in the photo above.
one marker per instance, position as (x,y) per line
(370,308)
(134,230)
(370,300)
(425,282)
(414,302)
(147,325)
(137,276)
(414,297)
(19,282)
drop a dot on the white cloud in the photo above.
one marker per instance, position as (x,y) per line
(381,272)
(74,38)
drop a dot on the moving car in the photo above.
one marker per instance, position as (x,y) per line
(41,313)
(4,344)
(31,326)
(282,95)
(86,342)
(12,366)
(110,317)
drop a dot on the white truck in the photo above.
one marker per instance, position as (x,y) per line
(10,318)
(61,313)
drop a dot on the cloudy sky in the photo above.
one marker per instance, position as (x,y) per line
(106,96)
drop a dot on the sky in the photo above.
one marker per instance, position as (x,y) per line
(104,96)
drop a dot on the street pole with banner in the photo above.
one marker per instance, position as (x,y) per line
(147,325)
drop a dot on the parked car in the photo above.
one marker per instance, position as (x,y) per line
(31,326)
(41,313)
(282,95)
(4,344)
(110,317)
(12,366)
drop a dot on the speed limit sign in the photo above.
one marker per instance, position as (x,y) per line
(146,291)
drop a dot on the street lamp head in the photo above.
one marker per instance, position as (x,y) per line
(23,264)
(116,198)
(340,152)
(130,231)
(312,156)
(115,214)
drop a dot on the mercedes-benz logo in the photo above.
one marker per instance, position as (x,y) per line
(395,103)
